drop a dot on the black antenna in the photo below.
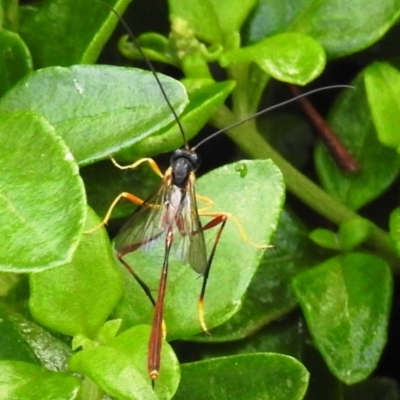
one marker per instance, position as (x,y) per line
(150,67)
(164,94)
(257,114)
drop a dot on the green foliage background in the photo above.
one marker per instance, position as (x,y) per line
(308,319)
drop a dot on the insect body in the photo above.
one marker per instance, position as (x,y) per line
(170,214)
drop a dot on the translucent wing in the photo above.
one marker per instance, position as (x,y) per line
(169,206)
(192,247)
(145,227)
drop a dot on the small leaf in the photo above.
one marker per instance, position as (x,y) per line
(155,46)
(15,60)
(12,344)
(52,353)
(382,84)
(82,33)
(325,238)
(200,15)
(25,381)
(394,224)
(98,110)
(235,260)
(66,299)
(250,376)
(344,300)
(353,233)
(288,57)
(120,367)
(350,119)
(212,20)
(42,196)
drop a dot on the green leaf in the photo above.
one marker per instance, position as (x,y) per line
(15,60)
(82,27)
(119,367)
(270,295)
(353,233)
(325,238)
(155,46)
(382,84)
(344,300)
(211,20)
(24,340)
(394,224)
(42,196)
(252,376)
(350,119)
(288,57)
(203,104)
(9,15)
(98,110)
(66,299)
(245,195)
(12,344)
(25,381)
(341,27)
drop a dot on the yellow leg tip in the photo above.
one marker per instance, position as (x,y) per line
(89,231)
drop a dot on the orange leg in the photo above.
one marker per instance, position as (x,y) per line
(126,195)
(239,225)
(151,162)
(218,219)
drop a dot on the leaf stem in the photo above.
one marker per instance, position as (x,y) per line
(251,142)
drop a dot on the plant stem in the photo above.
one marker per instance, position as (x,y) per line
(250,141)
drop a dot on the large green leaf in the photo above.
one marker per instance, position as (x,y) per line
(342,27)
(119,367)
(250,376)
(98,110)
(344,300)
(25,381)
(42,196)
(351,120)
(67,299)
(253,193)
(82,27)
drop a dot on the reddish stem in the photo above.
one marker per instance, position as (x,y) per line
(336,147)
